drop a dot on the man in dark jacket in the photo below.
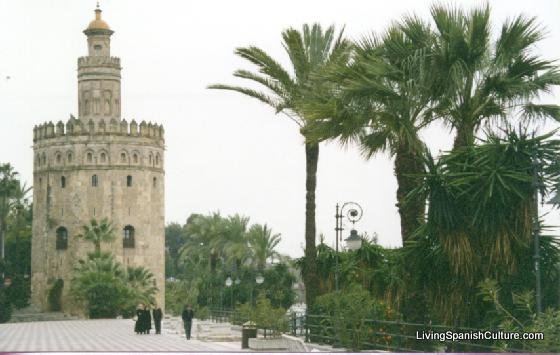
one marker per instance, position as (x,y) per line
(157,314)
(187,316)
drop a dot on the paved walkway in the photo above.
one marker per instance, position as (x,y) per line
(98,335)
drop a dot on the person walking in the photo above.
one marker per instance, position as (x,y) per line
(157,314)
(139,317)
(187,316)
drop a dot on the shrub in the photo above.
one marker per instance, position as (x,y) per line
(5,307)
(347,312)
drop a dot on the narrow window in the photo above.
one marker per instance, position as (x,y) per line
(128,237)
(89,157)
(94,181)
(69,157)
(135,158)
(157,159)
(123,157)
(154,182)
(129,181)
(58,158)
(63,182)
(103,157)
(61,238)
(44,159)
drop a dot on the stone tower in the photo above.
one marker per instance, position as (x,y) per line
(97,166)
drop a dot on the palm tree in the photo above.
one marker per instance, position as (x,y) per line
(481,79)
(263,243)
(310,51)
(97,232)
(382,101)
(236,244)
(13,196)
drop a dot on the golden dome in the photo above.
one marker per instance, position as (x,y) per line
(98,23)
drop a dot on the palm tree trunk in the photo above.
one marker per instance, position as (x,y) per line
(464,137)
(310,264)
(408,170)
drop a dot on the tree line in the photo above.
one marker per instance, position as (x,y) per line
(468,215)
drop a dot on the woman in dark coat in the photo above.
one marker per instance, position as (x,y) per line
(147,319)
(139,319)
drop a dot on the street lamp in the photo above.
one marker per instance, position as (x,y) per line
(259,279)
(353,242)
(354,213)
(229,282)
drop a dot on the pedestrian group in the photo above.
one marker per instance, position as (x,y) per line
(143,318)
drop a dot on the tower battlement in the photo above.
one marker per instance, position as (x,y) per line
(75,127)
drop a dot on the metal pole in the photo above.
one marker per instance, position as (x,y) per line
(338,230)
(537,257)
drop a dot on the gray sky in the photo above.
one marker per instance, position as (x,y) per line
(225,152)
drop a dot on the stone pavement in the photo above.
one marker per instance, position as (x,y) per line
(99,335)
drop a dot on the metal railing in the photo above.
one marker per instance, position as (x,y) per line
(373,334)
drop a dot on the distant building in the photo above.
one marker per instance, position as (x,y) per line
(96,166)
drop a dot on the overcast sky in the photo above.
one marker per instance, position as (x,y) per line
(225,151)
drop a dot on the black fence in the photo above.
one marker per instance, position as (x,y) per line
(394,336)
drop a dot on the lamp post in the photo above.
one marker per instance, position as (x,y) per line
(229,282)
(354,213)
(259,279)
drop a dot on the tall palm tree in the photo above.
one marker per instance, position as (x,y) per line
(263,244)
(481,79)
(382,102)
(310,51)
(97,232)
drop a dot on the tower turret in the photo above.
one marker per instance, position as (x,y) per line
(99,75)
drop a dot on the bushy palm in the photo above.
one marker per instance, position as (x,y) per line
(481,79)
(310,51)
(13,195)
(97,232)
(480,221)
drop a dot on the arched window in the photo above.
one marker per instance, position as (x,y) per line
(154,182)
(103,157)
(58,158)
(129,180)
(63,182)
(128,237)
(157,159)
(123,157)
(94,181)
(89,157)
(44,160)
(61,238)
(69,157)
(151,159)
(135,158)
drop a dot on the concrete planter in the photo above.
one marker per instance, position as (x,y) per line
(268,344)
